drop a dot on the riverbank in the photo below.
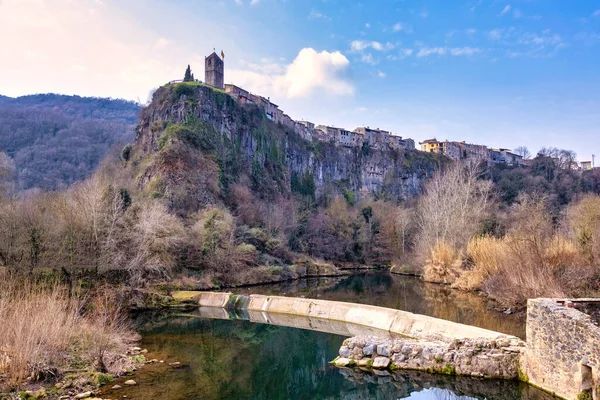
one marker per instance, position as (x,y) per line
(371,287)
(60,340)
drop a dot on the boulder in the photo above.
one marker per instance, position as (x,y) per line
(130,382)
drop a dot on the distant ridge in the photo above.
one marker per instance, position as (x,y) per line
(56,140)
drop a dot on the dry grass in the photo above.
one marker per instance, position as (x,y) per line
(561,253)
(37,328)
(513,269)
(488,255)
(43,331)
(443,265)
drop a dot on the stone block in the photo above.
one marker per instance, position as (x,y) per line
(369,349)
(381,362)
(383,350)
(344,352)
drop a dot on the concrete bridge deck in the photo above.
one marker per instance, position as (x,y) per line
(378,321)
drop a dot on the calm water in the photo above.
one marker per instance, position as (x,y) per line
(402,293)
(236,359)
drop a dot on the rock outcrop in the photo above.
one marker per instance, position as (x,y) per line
(202,137)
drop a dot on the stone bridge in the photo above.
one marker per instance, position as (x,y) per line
(561,356)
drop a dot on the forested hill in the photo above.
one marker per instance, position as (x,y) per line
(55,140)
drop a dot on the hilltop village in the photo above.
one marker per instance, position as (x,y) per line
(374,137)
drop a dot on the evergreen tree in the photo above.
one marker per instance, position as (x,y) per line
(188,77)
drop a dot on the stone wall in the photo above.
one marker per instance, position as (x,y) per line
(563,350)
(489,358)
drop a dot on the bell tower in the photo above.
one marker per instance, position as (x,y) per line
(214,71)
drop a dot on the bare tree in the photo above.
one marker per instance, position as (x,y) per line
(7,171)
(566,158)
(523,152)
(454,204)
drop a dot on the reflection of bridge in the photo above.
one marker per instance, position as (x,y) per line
(346,319)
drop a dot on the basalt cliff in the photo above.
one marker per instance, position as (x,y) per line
(194,142)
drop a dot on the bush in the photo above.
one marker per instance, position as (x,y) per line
(487,255)
(443,265)
(126,152)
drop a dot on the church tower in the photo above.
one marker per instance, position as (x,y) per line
(214,71)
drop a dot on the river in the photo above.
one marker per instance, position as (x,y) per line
(236,359)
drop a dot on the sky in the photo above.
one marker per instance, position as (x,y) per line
(502,73)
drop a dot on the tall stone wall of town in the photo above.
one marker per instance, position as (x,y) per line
(563,350)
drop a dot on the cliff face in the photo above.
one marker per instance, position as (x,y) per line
(195,135)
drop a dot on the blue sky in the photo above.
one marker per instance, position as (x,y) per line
(502,73)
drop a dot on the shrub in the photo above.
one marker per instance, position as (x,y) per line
(444,264)
(126,152)
(582,223)
(487,255)
(43,331)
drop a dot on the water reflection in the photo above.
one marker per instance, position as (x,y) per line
(233,359)
(402,293)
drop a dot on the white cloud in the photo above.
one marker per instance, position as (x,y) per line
(239,2)
(464,51)
(427,51)
(546,38)
(470,31)
(317,15)
(367,25)
(361,109)
(424,14)
(254,2)
(360,45)
(441,51)
(310,72)
(495,34)
(397,27)
(517,13)
(506,9)
(161,43)
(381,74)
(402,54)
(596,13)
(112,55)
(368,59)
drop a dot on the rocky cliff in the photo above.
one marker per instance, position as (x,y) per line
(195,142)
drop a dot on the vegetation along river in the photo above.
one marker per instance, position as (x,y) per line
(236,359)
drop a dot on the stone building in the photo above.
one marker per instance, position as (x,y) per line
(505,156)
(214,70)
(307,124)
(432,146)
(237,93)
(452,150)
(375,138)
(326,133)
(512,159)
